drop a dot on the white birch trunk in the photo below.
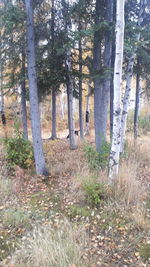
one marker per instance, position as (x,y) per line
(115,148)
(126,99)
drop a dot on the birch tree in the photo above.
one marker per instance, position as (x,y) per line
(115,147)
(33,95)
(126,99)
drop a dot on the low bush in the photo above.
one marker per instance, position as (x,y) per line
(19,152)
(97,160)
(15,217)
(95,193)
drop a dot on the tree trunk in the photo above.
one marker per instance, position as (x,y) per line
(54,136)
(70,103)
(2,113)
(69,82)
(115,147)
(126,99)
(97,82)
(80,85)
(33,93)
(23,100)
(112,90)
(87,113)
(107,65)
(1,89)
(137,104)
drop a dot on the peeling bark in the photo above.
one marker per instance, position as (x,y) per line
(115,147)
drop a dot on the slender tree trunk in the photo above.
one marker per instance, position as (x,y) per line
(54,136)
(97,82)
(112,90)
(80,84)
(137,104)
(1,89)
(65,4)
(107,64)
(115,148)
(70,103)
(33,93)
(126,99)
(87,112)
(23,99)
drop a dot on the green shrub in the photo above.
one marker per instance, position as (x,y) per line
(95,159)
(19,152)
(15,217)
(144,124)
(81,211)
(95,193)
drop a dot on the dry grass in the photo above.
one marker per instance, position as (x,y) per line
(49,247)
(5,189)
(128,186)
(61,160)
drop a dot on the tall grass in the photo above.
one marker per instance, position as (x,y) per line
(49,247)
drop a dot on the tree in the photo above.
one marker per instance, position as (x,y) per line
(23,96)
(129,75)
(115,147)
(137,100)
(69,81)
(33,93)
(97,81)
(54,136)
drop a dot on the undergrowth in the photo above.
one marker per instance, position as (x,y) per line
(97,160)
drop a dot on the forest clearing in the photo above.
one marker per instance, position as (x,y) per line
(74,133)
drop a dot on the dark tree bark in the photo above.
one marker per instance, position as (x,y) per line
(107,65)
(23,99)
(137,102)
(33,93)
(97,82)
(80,84)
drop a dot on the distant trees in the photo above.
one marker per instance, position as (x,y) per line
(73,44)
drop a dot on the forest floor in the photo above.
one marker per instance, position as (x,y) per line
(114,224)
